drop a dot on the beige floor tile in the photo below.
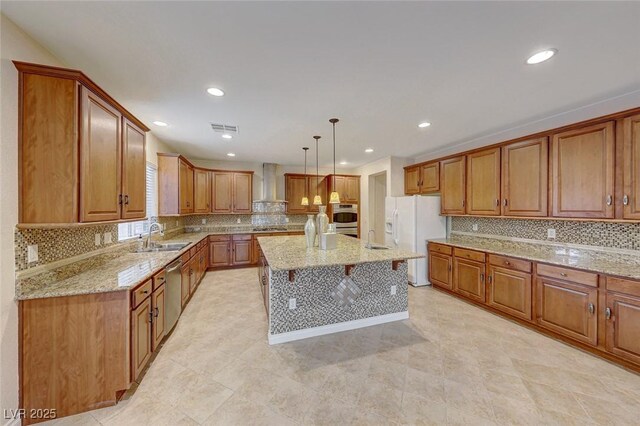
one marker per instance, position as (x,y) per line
(555,399)
(201,398)
(239,411)
(421,411)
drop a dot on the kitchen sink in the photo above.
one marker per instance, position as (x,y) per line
(164,247)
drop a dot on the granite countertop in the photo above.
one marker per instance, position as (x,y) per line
(620,263)
(287,253)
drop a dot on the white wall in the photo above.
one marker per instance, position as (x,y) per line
(393,167)
(15,44)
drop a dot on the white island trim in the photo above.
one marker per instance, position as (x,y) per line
(291,336)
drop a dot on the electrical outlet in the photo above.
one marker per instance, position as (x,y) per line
(32,253)
(394,288)
(474,227)
(286,220)
(551,233)
(204,221)
(292,303)
(239,220)
(107,237)
(98,239)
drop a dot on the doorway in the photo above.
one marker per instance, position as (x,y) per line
(377,196)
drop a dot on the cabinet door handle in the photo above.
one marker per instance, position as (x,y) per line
(449,267)
(609,200)
(506,262)
(497,202)
(489,279)
(564,274)
(625,200)
(156,312)
(120,199)
(151,317)
(505,202)
(607,313)
(591,308)
(481,278)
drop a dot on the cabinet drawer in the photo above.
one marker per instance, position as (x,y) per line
(244,237)
(510,263)
(141,293)
(622,285)
(193,251)
(159,279)
(469,254)
(186,256)
(439,248)
(216,238)
(586,278)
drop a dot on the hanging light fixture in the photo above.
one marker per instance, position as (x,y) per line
(335,197)
(317,200)
(305,199)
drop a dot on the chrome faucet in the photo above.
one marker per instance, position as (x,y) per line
(151,230)
(369,238)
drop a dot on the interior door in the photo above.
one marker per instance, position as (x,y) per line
(525,177)
(222,192)
(452,185)
(100,159)
(582,172)
(483,182)
(134,172)
(468,278)
(242,192)
(631,173)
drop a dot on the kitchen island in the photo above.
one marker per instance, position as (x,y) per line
(312,292)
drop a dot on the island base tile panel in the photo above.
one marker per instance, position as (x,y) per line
(604,234)
(316,307)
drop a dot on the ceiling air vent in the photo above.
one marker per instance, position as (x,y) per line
(224,128)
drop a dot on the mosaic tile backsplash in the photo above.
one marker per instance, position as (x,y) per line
(603,234)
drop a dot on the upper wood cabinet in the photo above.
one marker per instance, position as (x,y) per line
(483,182)
(81,154)
(232,192)
(452,185)
(525,178)
(134,172)
(185,189)
(422,179)
(298,185)
(201,191)
(631,167)
(348,187)
(582,172)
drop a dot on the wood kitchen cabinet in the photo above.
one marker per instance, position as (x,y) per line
(440,265)
(622,318)
(452,185)
(201,191)
(185,276)
(232,192)
(510,286)
(483,182)
(469,273)
(141,336)
(567,302)
(219,251)
(582,172)
(631,167)
(185,184)
(241,250)
(422,179)
(299,185)
(157,309)
(175,185)
(317,185)
(81,154)
(525,178)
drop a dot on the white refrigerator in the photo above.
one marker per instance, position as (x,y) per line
(409,222)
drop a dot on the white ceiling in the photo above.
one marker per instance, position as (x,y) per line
(381,68)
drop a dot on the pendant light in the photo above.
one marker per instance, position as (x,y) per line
(317,200)
(335,197)
(305,199)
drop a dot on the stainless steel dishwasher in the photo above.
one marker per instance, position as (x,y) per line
(173,303)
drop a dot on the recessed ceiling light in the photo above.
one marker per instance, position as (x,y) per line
(215,91)
(227,136)
(230,154)
(368,150)
(424,124)
(541,56)
(160,123)
(343,163)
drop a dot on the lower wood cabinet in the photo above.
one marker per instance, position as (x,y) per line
(568,308)
(622,318)
(241,250)
(141,336)
(219,251)
(468,278)
(441,270)
(509,291)
(185,273)
(157,308)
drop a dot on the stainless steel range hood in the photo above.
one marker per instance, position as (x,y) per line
(269,202)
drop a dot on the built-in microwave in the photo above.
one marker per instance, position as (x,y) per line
(345,217)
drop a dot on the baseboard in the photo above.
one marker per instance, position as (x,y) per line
(275,339)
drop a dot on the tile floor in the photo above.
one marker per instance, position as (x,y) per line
(451,363)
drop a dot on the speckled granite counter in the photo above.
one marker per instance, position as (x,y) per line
(115,270)
(287,253)
(623,264)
